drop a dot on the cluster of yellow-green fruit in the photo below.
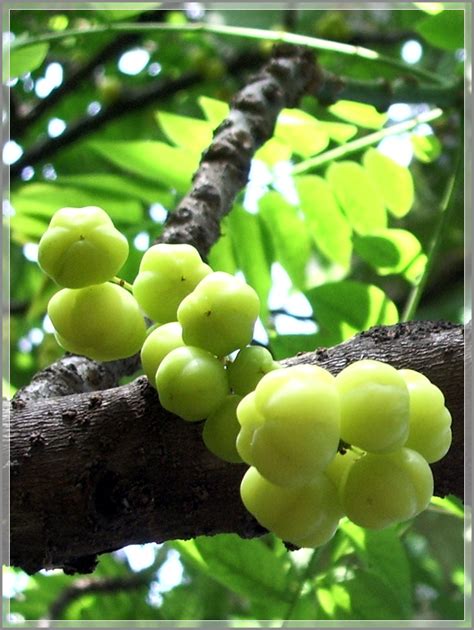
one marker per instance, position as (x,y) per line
(319,446)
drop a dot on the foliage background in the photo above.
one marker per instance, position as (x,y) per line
(342,243)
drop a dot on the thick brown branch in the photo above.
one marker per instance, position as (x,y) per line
(224,167)
(94,472)
(75,375)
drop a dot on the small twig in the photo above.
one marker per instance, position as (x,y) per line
(305,576)
(132,101)
(387,38)
(122,283)
(366,141)
(247,33)
(87,586)
(446,209)
(21,124)
(382,93)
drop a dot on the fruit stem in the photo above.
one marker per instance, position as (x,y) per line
(122,283)
(446,209)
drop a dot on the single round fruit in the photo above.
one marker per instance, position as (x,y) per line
(221,429)
(339,467)
(374,406)
(167,274)
(248,367)
(81,247)
(305,516)
(430,420)
(157,345)
(220,314)
(381,490)
(253,420)
(191,383)
(290,424)
(102,322)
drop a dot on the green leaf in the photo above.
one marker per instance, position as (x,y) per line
(301,132)
(426,148)
(393,181)
(118,186)
(284,346)
(186,132)
(389,251)
(371,598)
(221,257)
(450,505)
(444,30)
(214,110)
(156,161)
(26,228)
(249,252)
(358,196)
(414,271)
(383,554)
(43,200)
(348,307)
(326,223)
(288,232)
(273,151)
(359,114)
(339,132)
(249,568)
(23,60)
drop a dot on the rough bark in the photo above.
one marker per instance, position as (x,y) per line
(225,165)
(95,471)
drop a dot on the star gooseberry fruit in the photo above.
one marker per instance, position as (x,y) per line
(306,516)
(160,342)
(81,247)
(248,367)
(374,406)
(381,490)
(430,420)
(191,383)
(290,424)
(167,274)
(220,314)
(221,429)
(102,322)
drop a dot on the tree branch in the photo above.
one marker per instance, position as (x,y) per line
(225,165)
(94,472)
(86,586)
(74,374)
(382,93)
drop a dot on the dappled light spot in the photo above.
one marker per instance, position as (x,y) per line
(133,61)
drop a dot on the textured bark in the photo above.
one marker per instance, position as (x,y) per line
(74,374)
(225,165)
(95,471)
